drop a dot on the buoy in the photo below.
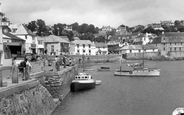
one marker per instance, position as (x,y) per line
(97,82)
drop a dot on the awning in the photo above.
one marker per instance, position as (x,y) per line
(12,44)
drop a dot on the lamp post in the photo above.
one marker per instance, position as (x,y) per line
(1,46)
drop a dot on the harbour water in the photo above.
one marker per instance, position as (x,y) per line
(130,95)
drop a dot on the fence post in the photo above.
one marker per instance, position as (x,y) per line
(14,74)
(1,77)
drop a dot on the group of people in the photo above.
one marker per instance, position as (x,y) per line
(24,68)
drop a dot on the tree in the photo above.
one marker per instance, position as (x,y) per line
(122,25)
(177,23)
(41,28)
(58,29)
(32,26)
(87,36)
(69,34)
(82,28)
(138,28)
(100,39)
(90,29)
(75,26)
(149,30)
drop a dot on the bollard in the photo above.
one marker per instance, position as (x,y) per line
(14,74)
(54,66)
(1,77)
(27,75)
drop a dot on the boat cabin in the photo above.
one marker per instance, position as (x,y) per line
(83,76)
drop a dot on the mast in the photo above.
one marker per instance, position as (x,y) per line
(83,62)
(143,56)
(120,65)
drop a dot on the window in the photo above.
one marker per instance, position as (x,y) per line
(164,44)
(39,42)
(164,48)
(175,43)
(180,48)
(139,50)
(84,51)
(33,38)
(52,48)
(89,45)
(89,51)
(130,51)
(83,45)
(170,43)
(78,51)
(181,43)
(14,30)
(175,48)
(26,36)
(170,49)
(78,45)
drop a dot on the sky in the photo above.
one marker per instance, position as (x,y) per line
(97,12)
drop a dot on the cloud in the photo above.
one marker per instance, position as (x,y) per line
(97,12)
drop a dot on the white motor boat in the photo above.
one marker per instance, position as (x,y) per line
(82,81)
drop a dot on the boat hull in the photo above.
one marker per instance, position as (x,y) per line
(141,73)
(78,86)
(99,69)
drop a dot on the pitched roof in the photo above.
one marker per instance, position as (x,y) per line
(82,42)
(138,47)
(76,38)
(53,38)
(40,38)
(21,30)
(156,40)
(12,36)
(97,44)
(75,33)
(65,38)
(172,37)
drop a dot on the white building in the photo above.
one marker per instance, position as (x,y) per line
(101,49)
(40,45)
(148,38)
(85,47)
(31,43)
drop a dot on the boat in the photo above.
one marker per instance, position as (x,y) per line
(104,69)
(138,70)
(142,72)
(178,111)
(82,81)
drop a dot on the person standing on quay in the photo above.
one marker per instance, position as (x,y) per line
(64,61)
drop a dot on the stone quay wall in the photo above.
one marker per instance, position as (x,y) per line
(58,83)
(147,55)
(39,96)
(28,98)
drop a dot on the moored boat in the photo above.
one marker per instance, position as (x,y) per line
(138,70)
(104,69)
(83,81)
(144,72)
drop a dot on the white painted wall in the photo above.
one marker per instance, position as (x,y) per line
(28,41)
(87,49)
